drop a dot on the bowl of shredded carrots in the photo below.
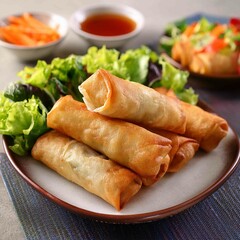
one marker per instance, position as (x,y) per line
(32,36)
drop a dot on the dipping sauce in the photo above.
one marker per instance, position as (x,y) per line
(108,24)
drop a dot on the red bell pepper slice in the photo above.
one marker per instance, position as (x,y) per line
(216,45)
(235,22)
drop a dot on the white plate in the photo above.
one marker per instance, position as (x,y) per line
(175,192)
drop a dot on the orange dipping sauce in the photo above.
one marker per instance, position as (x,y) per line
(108,24)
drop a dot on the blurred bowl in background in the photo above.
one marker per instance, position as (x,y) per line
(30,53)
(110,24)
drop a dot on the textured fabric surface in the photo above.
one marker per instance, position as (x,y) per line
(216,217)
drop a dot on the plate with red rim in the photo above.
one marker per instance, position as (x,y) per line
(175,192)
(226,79)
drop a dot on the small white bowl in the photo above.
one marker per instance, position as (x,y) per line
(109,41)
(25,53)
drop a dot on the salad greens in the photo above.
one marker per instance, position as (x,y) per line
(24,105)
(172,32)
(23,121)
(202,33)
(19,92)
(176,80)
(60,77)
(203,26)
(131,65)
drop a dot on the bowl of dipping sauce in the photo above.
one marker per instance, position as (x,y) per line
(32,35)
(110,24)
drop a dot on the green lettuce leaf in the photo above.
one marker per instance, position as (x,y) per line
(134,64)
(19,92)
(60,77)
(172,32)
(176,28)
(172,77)
(203,26)
(37,76)
(97,58)
(131,65)
(24,121)
(175,79)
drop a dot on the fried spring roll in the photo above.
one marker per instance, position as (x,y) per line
(128,144)
(207,128)
(215,63)
(111,96)
(82,165)
(208,63)
(183,150)
(182,52)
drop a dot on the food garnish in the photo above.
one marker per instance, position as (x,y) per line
(47,82)
(24,121)
(27,30)
(204,47)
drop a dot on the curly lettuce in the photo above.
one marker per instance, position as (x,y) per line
(60,77)
(175,79)
(131,65)
(23,121)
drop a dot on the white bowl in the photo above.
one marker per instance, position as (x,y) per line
(25,53)
(109,41)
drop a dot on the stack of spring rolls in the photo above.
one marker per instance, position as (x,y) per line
(124,136)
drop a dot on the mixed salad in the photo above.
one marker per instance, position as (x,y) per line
(205,36)
(25,103)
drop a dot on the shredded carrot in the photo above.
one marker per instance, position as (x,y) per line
(27,30)
(190,29)
(218,30)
